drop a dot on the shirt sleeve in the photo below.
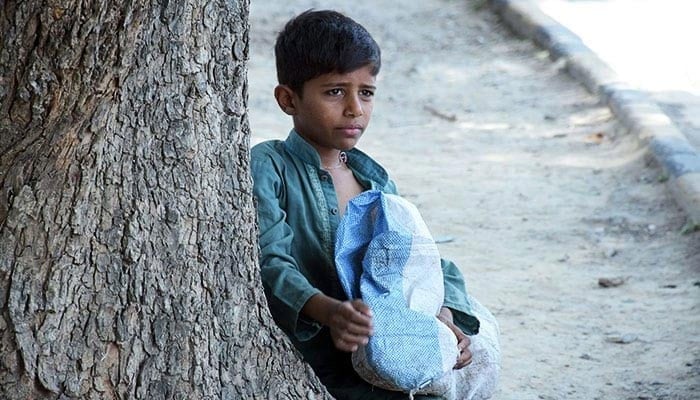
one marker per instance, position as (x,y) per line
(286,288)
(456,298)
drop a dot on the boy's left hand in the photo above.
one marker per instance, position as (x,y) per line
(465,356)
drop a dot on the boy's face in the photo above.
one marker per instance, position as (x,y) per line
(334,109)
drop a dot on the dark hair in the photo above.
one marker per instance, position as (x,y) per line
(320,42)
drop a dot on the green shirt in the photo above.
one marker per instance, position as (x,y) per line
(298,217)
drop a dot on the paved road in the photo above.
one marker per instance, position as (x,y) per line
(652,44)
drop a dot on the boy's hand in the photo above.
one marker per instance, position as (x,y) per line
(465,356)
(350,323)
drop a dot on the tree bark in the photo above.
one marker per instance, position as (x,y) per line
(128,243)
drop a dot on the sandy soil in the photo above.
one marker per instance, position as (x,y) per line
(534,189)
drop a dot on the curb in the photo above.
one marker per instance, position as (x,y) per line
(635,110)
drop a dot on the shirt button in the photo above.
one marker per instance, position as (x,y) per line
(324,177)
(334,211)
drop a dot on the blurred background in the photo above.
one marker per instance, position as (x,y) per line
(652,44)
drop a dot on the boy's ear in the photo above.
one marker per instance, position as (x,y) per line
(285,97)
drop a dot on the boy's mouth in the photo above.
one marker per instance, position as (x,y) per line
(351,130)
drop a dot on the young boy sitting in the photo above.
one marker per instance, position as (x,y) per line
(327,66)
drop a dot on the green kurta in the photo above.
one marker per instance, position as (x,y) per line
(298,217)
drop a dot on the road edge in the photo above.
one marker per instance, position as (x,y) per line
(634,108)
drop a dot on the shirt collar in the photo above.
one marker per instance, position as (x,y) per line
(298,146)
(358,161)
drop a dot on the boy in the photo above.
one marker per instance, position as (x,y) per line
(327,66)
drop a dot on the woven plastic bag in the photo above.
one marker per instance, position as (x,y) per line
(386,256)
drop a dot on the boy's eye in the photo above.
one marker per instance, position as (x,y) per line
(335,92)
(366,93)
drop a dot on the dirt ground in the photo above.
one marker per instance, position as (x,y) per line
(533,188)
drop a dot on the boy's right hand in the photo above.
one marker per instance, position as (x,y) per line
(350,323)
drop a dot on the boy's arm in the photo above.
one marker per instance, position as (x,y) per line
(350,322)
(456,298)
(287,290)
(463,341)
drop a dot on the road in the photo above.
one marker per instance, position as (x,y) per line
(533,188)
(651,44)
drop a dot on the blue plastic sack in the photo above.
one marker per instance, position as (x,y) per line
(386,256)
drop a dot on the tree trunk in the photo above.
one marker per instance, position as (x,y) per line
(128,246)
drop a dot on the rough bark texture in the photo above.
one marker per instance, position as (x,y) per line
(128,261)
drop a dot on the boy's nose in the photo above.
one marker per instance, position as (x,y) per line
(353,108)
